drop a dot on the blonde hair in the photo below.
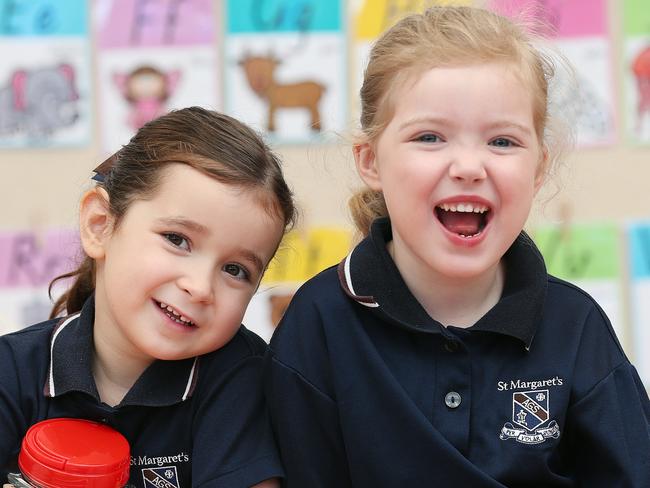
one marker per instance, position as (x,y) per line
(442,37)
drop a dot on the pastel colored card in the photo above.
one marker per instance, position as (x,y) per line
(636,17)
(588,251)
(588,256)
(639,262)
(45,92)
(639,241)
(563,18)
(140,84)
(142,23)
(30,259)
(288,16)
(304,254)
(43,18)
(287,79)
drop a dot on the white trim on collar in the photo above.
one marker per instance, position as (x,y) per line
(56,334)
(190,380)
(348,281)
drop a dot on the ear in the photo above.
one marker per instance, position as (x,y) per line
(366,162)
(95,222)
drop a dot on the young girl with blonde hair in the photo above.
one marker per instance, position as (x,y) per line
(440,352)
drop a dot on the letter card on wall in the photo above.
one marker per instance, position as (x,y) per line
(45,95)
(154,56)
(285,67)
(639,255)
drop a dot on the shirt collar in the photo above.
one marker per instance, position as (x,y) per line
(71,357)
(369,276)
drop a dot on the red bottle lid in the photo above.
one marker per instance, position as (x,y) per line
(62,453)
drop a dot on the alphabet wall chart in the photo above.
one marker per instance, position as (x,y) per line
(153,56)
(285,67)
(45,97)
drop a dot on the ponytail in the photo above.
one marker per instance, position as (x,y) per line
(365,206)
(73,299)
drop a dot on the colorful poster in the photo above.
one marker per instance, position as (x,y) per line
(45,81)
(301,256)
(285,70)
(580,32)
(588,256)
(639,255)
(28,262)
(636,69)
(154,56)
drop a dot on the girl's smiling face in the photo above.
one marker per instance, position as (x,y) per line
(458,165)
(175,277)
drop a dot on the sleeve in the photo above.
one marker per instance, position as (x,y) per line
(12,421)
(306,425)
(299,391)
(610,429)
(233,445)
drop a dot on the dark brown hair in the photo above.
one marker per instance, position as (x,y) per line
(213,143)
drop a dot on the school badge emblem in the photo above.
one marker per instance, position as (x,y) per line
(163,477)
(530,411)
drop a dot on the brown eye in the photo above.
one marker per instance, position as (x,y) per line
(237,271)
(177,240)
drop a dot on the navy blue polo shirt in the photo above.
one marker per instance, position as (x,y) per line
(199,422)
(365,389)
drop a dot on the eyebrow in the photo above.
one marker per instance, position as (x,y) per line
(189,224)
(443,121)
(253,258)
(184,222)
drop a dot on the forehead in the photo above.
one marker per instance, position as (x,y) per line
(478,91)
(227,213)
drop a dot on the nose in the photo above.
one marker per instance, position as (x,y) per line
(198,283)
(467,166)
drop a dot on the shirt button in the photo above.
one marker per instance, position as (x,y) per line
(452,399)
(451,346)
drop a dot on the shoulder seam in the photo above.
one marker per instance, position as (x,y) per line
(600,382)
(300,376)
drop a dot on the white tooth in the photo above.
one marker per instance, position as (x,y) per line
(477,210)
(452,208)
(185,319)
(461,207)
(446,207)
(162,305)
(469,207)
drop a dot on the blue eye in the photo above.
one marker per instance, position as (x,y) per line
(428,138)
(502,142)
(177,240)
(237,271)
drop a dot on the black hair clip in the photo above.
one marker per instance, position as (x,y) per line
(103,169)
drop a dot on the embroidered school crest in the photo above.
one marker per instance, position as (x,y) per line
(163,477)
(530,411)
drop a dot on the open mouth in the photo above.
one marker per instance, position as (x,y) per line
(174,315)
(465,219)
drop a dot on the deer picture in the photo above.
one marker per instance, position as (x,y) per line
(260,74)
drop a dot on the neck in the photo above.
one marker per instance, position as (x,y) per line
(116,365)
(460,302)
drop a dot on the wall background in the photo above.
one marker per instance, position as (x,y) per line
(39,188)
